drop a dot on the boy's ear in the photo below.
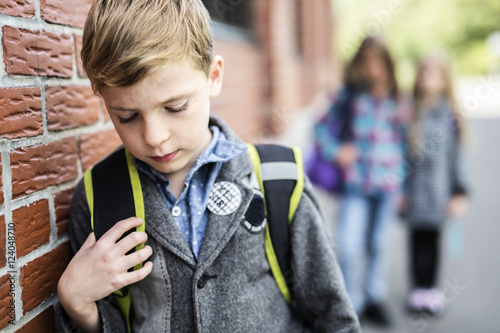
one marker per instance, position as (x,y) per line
(216,76)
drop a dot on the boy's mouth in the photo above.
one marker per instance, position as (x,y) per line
(165,158)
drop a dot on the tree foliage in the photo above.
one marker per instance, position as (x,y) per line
(416,27)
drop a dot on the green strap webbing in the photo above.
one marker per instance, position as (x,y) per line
(138,199)
(280,174)
(89,192)
(124,303)
(299,187)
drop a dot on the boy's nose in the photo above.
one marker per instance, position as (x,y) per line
(154,134)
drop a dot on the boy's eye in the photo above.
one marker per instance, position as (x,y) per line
(177,109)
(127,120)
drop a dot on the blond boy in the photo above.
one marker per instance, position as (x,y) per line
(152,63)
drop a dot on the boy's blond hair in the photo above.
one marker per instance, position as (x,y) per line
(125,40)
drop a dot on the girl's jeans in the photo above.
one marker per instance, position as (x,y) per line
(362,238)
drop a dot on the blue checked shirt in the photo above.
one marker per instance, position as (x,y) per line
(190,209)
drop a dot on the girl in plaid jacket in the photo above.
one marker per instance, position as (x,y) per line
(435,187)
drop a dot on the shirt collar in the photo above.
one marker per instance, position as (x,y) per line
(220,149)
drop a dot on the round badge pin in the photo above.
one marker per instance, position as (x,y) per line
(255,217)
(224,199)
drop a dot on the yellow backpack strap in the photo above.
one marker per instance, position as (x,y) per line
(89,192)
(138,198)
(299,187)
(124,303)
(115,183)
(279,171)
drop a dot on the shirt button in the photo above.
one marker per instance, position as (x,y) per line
(176,211)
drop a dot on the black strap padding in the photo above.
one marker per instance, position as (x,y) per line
(274,153)
(113,196)
(278,194)
(256,214)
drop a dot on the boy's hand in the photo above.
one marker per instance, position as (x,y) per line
(347,155)
(457,206)
(100,268)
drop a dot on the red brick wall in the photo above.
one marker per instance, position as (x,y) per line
(52,127)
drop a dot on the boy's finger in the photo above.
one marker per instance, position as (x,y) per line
(135,276)
(137,257)
(90,241)
(117,231)
(131,241)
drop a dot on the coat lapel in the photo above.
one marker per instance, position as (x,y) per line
(220,228)
(161,224)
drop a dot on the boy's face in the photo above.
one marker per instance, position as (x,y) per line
(163,119)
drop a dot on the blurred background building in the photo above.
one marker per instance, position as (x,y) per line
(278,56)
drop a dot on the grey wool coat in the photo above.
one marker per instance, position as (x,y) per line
(436,169)
(230,288)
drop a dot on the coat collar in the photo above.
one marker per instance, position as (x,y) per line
(161,224)
(239,166)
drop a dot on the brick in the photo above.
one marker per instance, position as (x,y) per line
(23,8)
(32,225)
(28,52)
(39,277)
(62,202)
(3,258)
(1,184)
(78,49)
(20,112)
(37,167)
(69,107)
(95,146)
(6,309)
(69,12)
(44,322)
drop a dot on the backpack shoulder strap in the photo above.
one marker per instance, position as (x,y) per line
(114,193)
(279,171)
(345,105)
(280,174)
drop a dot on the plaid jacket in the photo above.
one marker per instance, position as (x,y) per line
(436,168)
(376,129)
